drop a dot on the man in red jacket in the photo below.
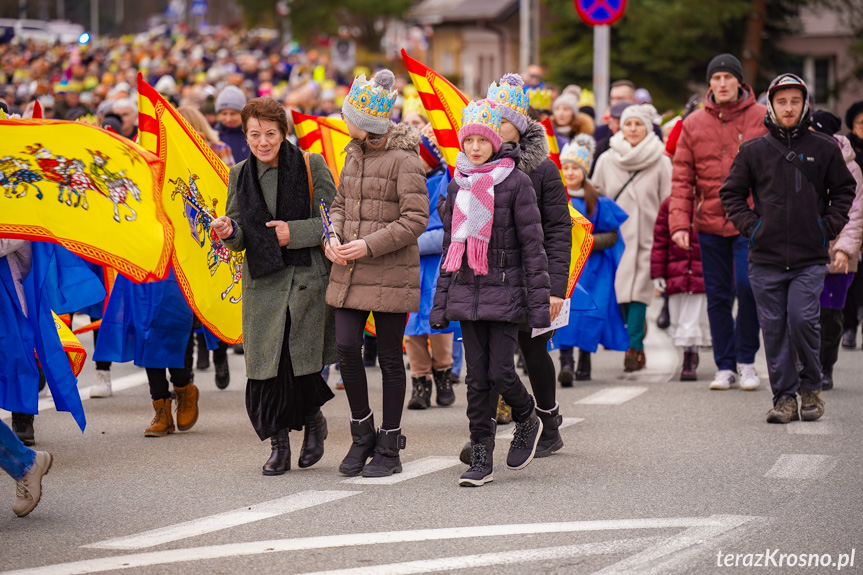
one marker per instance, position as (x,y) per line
(708,144)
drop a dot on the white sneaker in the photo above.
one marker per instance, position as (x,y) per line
(102,387)
(749,380)
(724,379)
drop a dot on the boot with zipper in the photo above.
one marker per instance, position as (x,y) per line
(385,460)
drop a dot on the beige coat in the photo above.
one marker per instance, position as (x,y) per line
(641,199)
(381,199)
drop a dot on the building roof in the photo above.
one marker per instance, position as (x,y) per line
(441,11)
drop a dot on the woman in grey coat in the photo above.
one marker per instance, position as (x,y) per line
(288,329)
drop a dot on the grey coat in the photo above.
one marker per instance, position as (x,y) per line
(301,289)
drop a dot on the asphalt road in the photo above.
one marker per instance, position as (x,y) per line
(656,476)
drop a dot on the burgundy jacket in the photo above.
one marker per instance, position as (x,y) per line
(681,268)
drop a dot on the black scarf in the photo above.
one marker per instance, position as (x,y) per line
(263,253)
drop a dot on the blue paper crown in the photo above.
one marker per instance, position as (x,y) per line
(370,99)
(510,96)
(576,154)
(481,112)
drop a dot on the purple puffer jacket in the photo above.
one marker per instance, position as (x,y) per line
(516,288)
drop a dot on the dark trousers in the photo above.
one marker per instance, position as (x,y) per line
(489,347)
(390,329)
(100,365)
(180,376)
(853,301)
(540,368)
(831,338)
(724,261)
(789,313)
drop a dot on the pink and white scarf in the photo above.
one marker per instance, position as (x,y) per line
(473,212)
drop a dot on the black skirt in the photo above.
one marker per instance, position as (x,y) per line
(284,401)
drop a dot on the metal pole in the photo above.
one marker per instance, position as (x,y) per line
(61,9)
(601,48)
(524,30)
(119,12)
(94,19)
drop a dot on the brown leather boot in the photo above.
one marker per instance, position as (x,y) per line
(163,421)
(187,406)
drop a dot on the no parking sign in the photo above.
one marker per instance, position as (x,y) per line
(600,12)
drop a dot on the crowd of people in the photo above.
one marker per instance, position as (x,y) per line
(733,201)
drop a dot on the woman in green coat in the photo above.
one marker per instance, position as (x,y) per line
(288,329)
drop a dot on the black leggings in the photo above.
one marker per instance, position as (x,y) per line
(390,329)
(540,368)
(180,376)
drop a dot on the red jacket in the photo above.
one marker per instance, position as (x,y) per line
(681,268)
(709,142)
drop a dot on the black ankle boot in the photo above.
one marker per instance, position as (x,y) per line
(550,439)
(280,459)
(481,464)
(664,319)
(444,394)
(566,375)
(223,373)
(22,425)
(386,459)
(363,432)
(582,370)
(313,440)
(203,353)
(421,394)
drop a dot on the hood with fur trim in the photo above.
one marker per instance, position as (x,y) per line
(403,137)
(534,147)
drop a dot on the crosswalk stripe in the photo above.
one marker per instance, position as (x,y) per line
(506,432)
(257,512)
(812,428)
(802,466)
(410,470)
(612,396)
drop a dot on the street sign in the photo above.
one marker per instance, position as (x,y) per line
(600,12)
(199,8)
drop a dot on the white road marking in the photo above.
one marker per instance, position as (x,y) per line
(136,560)
(119,384)
(612,396)
(802,466)
(686,548)
(257,512)
(502,558)
(506,432)
(818,427)
(410,470)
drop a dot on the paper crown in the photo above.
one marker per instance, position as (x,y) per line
(413,105)
(577,154)
(509,95)
(370,99)
(483,113)
(540,98)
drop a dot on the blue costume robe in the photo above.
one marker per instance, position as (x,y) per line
(603,325)
(148,323)
(58,281)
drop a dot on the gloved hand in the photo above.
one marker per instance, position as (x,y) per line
(659,284)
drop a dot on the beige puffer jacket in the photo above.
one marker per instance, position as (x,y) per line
(381,199)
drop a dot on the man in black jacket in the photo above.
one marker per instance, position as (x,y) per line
(802,192)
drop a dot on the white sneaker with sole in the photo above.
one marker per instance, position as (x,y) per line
(724,379)
(749,380)
(102,387)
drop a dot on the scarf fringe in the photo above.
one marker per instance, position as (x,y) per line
(453,256)
(477,255)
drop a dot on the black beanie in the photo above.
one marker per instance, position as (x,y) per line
(825,122)
(855,110)
(725,63)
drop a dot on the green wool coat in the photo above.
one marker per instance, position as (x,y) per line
(301,289)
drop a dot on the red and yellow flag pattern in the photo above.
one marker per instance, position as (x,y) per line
(74,350)
(443,103)
(195,191)
(326,136)
(93,192)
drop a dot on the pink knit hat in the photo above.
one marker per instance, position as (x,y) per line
(481,118)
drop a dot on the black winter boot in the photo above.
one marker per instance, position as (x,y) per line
(481,464)
(22,425)
(313,440)
(421,395)
(582,371)
(280,458)
(203,353)
(464,455)
(363,432)
(223,373)
(386,459)
(664,318)
(444,394)
(525,436)
(550,439)
(566,375)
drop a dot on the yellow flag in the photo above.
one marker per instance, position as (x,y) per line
(91,191)
(74,350)
(195,192)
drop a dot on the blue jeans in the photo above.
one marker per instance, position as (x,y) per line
(16,459)
(724,261)
(790,312)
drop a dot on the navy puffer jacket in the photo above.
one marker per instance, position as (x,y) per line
(516,289)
